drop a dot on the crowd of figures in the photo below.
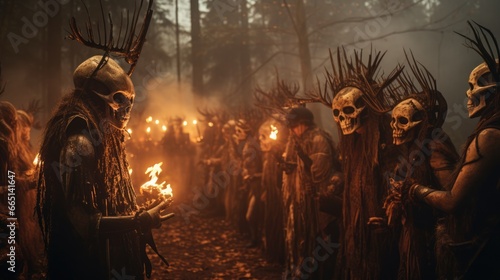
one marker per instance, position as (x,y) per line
(17,170)
(391,200)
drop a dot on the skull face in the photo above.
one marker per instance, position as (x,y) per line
(240,134)
(111,84)
(481,85)
(405,118)
(265,141)
(121,103)
(347,107)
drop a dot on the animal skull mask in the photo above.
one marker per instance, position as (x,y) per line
(405,117)
(482,86)
(111,84)
(347,107)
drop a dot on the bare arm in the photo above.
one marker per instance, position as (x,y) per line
(471,175)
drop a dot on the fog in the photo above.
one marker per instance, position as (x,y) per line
(27,72)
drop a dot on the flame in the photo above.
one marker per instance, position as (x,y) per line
(152,185)
(166,191)
(210,124)
(184,123)
(129,131)
(37,159)
(195,122)
(148,130)
(274,133)
(130,171)
(149,119)
(164,128)
(157,122)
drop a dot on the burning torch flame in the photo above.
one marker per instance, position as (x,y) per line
(36,160)
(149,186)
(274,133)
(164,128)
(157,122)
(148,130)
(184,123)
(149,119)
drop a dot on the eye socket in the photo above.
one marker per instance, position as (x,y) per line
(403,120)
(485,79)
(336,113)
(119,98)
(348,110)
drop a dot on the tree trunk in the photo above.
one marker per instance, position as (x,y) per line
(245,63)
(196,56)
(177,43)
(303,40)
(53,61)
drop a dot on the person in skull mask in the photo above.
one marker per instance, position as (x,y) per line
(359,101)
(251,171)
(93,228)
(427,156)
(314,154)
(469,240)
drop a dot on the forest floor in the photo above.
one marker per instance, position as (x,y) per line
(207,247)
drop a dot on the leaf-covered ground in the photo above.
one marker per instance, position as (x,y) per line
(207,248)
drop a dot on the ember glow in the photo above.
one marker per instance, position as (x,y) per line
(274,133)
(152,185)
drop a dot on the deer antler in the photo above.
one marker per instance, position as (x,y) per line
(129,47)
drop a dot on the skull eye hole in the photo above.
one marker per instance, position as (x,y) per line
(403,120)
(336,112)
(471,86)
(359,103)
(418,116)
(348,110)
(485,79)
(119,98)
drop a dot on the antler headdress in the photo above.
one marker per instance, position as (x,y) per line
(482,45)
(128,47)
(347,72)
(427,93)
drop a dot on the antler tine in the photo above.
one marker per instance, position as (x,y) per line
(34,107)
(131,45)
(135,50)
